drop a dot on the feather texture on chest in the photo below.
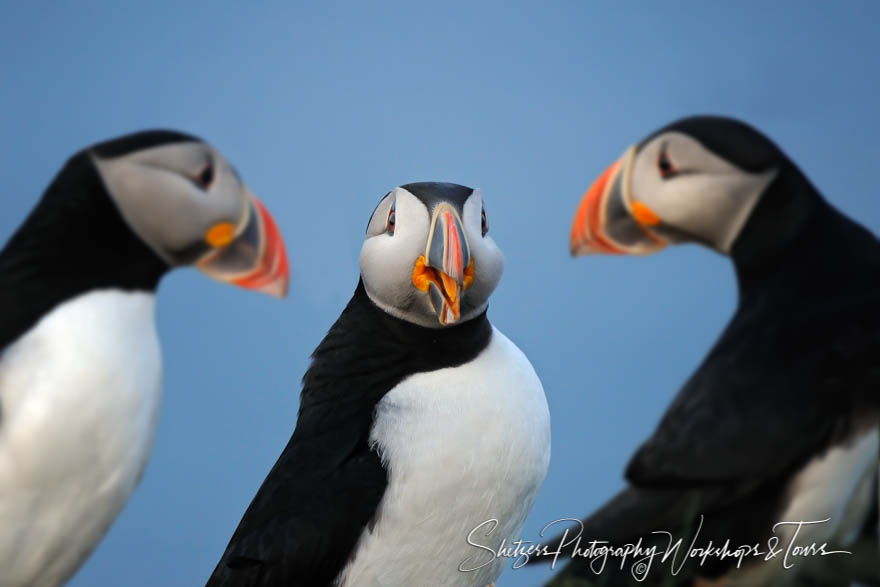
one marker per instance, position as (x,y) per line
(462,445)
(80,394)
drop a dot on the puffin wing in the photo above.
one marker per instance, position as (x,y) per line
(774,391)
(303,525)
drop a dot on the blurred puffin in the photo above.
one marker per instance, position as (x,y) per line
(80,363)
(780,421)
(420,425)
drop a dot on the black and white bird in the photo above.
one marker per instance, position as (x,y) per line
(80,366)
(780,421)
(419,423)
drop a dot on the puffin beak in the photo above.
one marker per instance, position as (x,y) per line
(446,269)
(609,221)
(250,255)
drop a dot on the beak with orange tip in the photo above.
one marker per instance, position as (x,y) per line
(446,269)
(249,254)
(608,220)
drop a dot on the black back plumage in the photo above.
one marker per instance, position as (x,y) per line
(794,373)
(75,240)
(303,524)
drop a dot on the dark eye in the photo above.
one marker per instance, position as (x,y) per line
(205,177)
(392,220)
(484,222)
(664,165)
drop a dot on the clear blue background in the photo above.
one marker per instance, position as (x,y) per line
(325,107)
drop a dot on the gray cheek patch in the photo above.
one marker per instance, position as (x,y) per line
(378,218)
(164,206)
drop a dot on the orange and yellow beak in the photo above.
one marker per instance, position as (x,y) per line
(251,255)
(446,269)
(608,220)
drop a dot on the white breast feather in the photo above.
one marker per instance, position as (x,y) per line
(834,485)
(79,395)
(837,486)
(462,445)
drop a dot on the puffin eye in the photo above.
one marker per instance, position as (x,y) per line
(664,165)
(392,220)
(205,177)
(484,222)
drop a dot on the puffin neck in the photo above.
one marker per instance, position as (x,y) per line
(367,351)
(410,332)
(74,241)
(445,347)
(797,244)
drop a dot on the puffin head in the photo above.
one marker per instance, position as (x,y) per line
(427,257)
(696,180)
(183,199)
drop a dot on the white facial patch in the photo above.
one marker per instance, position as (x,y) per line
(157,193)
(488,258)
(704,196)
(387,259)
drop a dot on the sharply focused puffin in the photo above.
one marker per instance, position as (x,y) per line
(780,421)
(421,427)
(79,356)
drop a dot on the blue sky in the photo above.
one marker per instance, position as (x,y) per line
(324,107)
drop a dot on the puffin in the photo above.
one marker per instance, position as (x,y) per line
(80,364)
(423,433)
(779,423)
